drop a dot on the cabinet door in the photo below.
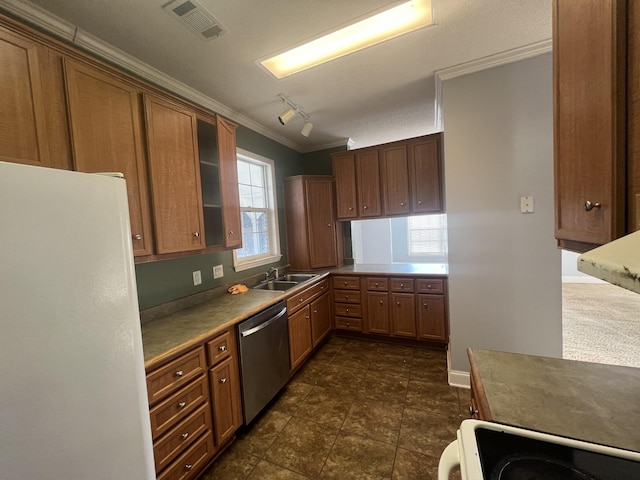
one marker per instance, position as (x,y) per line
(432,322)
(344,169)
(589,43)
(105,120)
(320,318)
(225,393)
(300,344)
(368,177)
(425,171)
(175,176)
(377,320)
(403,315)
(395,179)
(23,135)
(229,184)
(323,249)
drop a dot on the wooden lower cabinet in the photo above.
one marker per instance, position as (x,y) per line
(402,307)
(309,320)
(403,315)
(194,414)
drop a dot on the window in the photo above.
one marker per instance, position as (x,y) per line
(427,236)
(258,212)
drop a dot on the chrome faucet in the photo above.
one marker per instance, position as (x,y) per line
(272,270)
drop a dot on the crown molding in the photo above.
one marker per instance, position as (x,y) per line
(502,58)
(64,30)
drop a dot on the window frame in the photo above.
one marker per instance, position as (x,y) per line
(274,255)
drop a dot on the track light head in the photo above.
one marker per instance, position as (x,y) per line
(306,128)
(287,115)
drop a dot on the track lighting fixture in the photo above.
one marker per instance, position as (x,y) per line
(289,111)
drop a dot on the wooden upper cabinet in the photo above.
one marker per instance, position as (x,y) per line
(426,174)
(105,123)
(175,176)
(395,179)
(589,75)
(368,183)
(229,184)
(344,169)
(23,132)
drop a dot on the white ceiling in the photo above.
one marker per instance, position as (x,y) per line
(380,94)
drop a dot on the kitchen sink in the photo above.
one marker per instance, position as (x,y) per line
(297,277)
(280,285)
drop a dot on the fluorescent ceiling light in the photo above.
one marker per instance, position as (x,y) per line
(391,23)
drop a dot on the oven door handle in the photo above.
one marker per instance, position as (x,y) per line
(259,327)
(449,459)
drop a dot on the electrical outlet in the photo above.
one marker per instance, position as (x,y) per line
(197,277)
(218,272)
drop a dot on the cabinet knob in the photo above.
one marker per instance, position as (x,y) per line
(184,436)
(137,237)
(329,225)
(398,303)
(376,284)
(179,373)
(315,311)
(345,283)
(350,209)
(230,232)
(300,300)
(380,302)
(347,310)
(182,405)
(588,206)
(402,204)
(419,202)
(188,466)
(348,324)
(346,297)
(425,305)
(402,285)
(472,411)
(306,317)
(428,285)
(222,348)
(365,207)
(196,234)
(223,380)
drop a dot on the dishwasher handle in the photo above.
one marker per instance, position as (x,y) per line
(259,327)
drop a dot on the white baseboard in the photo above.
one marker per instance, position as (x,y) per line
(459,379)
(586,279)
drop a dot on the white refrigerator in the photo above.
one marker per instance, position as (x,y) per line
(73,397)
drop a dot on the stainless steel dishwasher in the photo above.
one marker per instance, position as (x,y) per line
(264,358)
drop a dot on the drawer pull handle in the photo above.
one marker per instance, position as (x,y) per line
(179,373)
(222,348)
(137,237)
(188,466)
(184,436)
(223,380)
(181,405)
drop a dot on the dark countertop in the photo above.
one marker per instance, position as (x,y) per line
(586,401)
(164,337)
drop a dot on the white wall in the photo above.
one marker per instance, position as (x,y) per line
(504,266)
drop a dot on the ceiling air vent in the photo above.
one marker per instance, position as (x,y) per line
(191,13)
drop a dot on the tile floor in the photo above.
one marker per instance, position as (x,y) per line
(355,410)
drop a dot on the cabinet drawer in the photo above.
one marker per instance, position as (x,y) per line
(346,296)
(175,408)
(305,296)
(424,285)
(402,285)
(346,283)
(348,310)
(347,323)
(190,463)
(377,284)
(165,380)
(221,347)
(181,436)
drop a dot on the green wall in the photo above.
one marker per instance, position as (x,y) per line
(166,280)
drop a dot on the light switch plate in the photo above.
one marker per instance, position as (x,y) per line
(218,271)
(526,204)
(197,277)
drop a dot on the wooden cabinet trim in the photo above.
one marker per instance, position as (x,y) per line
(170,377)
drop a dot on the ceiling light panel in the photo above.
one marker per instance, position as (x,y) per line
(403,18)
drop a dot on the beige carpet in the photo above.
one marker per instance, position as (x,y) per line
(601,324)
